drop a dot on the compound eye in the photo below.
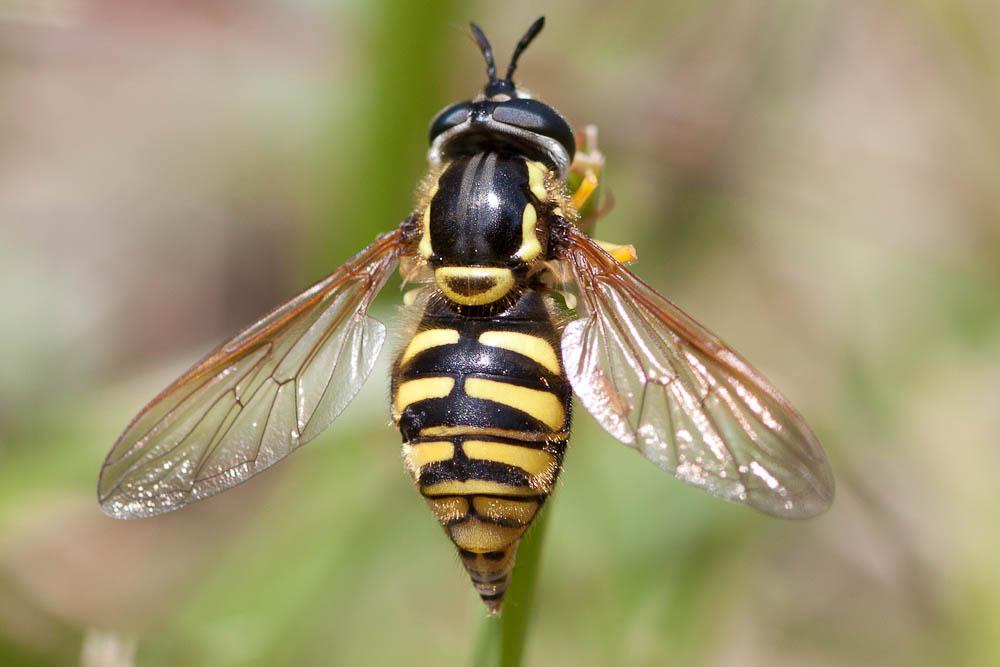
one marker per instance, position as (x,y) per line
(537,117)
(448,118)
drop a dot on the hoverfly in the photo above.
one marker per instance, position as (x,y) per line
(482,390)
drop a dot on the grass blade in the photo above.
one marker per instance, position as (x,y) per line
(502,639)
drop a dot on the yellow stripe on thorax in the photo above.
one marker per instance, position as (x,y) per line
(425,238)
(474,285)
(421,389)
(534,347)
(542,405)
(428,339)
(536,180)
(530,247)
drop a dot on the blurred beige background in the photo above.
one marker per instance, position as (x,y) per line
(818,182)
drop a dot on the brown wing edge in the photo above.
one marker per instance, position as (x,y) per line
(589,261)
(386,247)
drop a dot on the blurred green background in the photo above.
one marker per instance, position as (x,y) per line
(819,182)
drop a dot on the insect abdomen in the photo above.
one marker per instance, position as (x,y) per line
(484,410)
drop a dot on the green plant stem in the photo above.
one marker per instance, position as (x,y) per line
(519,605)
(374,161)
(487,642)
(502,639)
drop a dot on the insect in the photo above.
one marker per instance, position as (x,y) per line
(481,392)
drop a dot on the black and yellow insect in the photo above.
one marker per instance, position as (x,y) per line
(482,390)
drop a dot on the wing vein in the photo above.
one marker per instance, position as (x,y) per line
(210,429)
(715,423)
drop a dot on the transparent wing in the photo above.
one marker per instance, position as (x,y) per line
(256,398)
(660,382)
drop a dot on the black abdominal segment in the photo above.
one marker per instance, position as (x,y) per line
(484,410)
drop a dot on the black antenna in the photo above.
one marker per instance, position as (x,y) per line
(484,46)
(532,32)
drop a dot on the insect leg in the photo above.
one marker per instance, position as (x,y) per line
(586,168)
(623,253)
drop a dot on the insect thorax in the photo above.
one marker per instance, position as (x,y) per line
(485,224)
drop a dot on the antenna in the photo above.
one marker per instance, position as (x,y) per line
(530,35)
(484,46)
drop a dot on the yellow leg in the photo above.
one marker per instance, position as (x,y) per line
(586,171)
(587,188)
(623,253)
(587,165)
